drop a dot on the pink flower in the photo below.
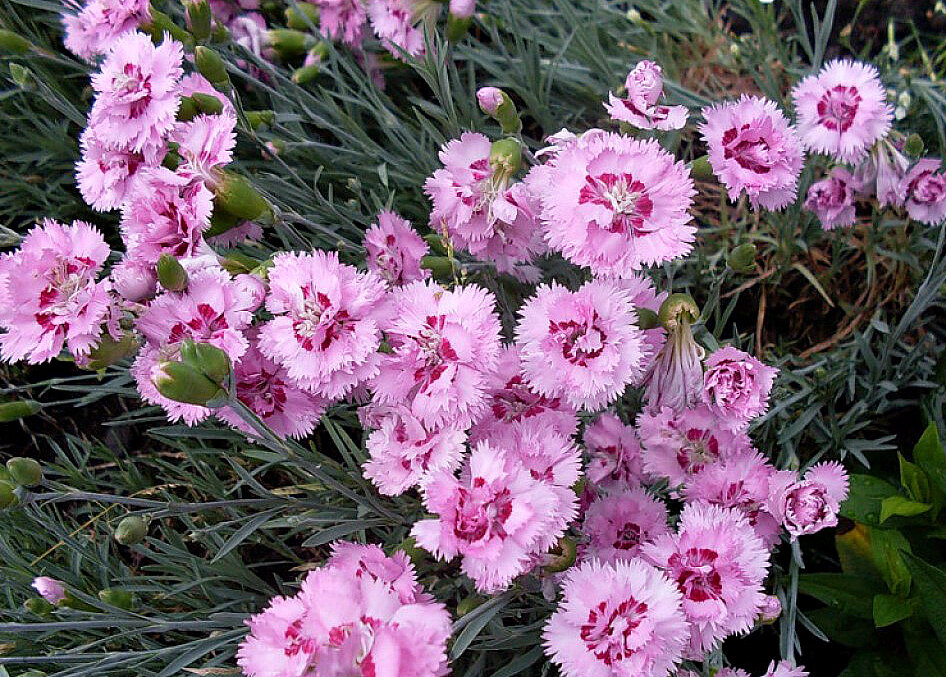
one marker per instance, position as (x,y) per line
(511,400)
(842,110)
(134,280)
(213,309)
(752,148)
(495,516)
(718,564)
(516,241)
(785,669)
(736,386)
(924,189)
(614,453)
(645,86)
(616,620)
(676,446)
(404,452)
(805,506)
(771,609)
(245,231)
(490,99)
(395,250)
(137,92)
(50,589)
(615,204)
(100,23)
(743,481)
(445,346)
(832,199)
(582,346)
(342,20)
(642,294)
(108,177)
(462,9)
(617,525)
(266,389)
(325,330)
(50,295)
(369,561)
(394,23)
(204,144)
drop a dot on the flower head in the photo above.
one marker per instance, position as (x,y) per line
(785,669)
(204,144)
(616,620)
(99,23)
(395,250)
(924,189)
(369,561)
(342,20)
(50,589)
(325,329)
(842,110)
(394,22)
(736,386)
(108,177)
(645,86)
(832,199)
(583,346)
(752,148)
(615,204)
(617,525)
(805,506)
(614,453)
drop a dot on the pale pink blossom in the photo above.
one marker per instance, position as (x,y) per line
(394,22)
(134,280)
(513,243)
(99,23)
(736,386)
(395,250)
(369,561)
(638,107)
(832,199)
(924,191)
(809,504)
(50,589)
(205,144)
(785,669)
(342,20)
(614,453)
(108,177)
(462,9)
(617,525)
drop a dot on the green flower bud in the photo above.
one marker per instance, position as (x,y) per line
(171,273)
(221,222)
(436,243)
(235,195)
(199,18)
(678,309)
(303,16)
(457,27)
(132,529)
(22,76)
(468,604)
(7,497)
(13,43)
(258,118)
(290,43)
(505,156)
(647,318)
(117,597)
(207,104)
(236,263)
(701,169)
(109,351)
(497,104)
(306,74)
(440,266)
(912,146)
(742,258)
(181,382)
(39,606)
(25,472)
(187,111)
(160,24)
(13,411)
(565,555)
(207,359)
(171,160)
(212,67)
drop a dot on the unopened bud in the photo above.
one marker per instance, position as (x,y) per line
(771,610)
(221,222)
(13,43)
(468,604)
(303,16)
(7,497)
(25,472)
(181,382)
(39,606)
(678,309)
(21,75)
(289,43)
(131,530)
(206,358)
(212,67)
(171,273)
(457,27)
(235,195)
(13,411)
(497,104)
(162,24)
(258,118)
(187,111)
(207,104)
(701,169)
(199,18)
(117,597)
(647,318)
(440,266)
(564,555)
(742,258)
(306,74)
(505,156)
(913,146)
(109,351)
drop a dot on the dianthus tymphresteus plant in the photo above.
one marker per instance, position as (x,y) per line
(648,529)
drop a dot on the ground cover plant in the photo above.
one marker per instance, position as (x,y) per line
(419,338)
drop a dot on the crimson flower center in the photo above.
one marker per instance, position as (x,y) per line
(625,196)
(837,108)
(608,631)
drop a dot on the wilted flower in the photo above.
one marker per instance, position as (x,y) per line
(924,189)
(832,199)
(675,378)
(639,107)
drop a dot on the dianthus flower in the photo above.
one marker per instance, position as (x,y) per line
(394,22)
(881,171)
(108,177)
(614,453)
(445,345)
(638,107)
(842,110)
(204,144)
(832,199)
(615,204)
(511,400)
(677,445)
(924,189)
(325,329)
(369,561)
(618,524)
(342,20)
(807,505)
(348,622)
(266,390)
(99,23)
(404,452)
(582,346)
(752,148)
(395,250)
(736,386)
(134,280)
(50,294)
(718,564)
(785,669)
(50,589)
(514,241)
(621,619)
(212,309)
(743,481)
(137,93)
(642,294)
(495,516)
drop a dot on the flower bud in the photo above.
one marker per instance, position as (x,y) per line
(742,258)
(117,597)
(564,555)
(647,318)
(302,16)
(171,273)
(235,195)
(306,74)
(207,104)
(490,99)
(468,604)
(132,529)
(187,111)
(678,309)
(497,104)
(440,266)
(7,497)
(221,222)
(13,411)
(22,76)
(701,169)
(162,24)
(181,382)
(50,589)
(13,43)
(913,146)
(258,118)
(505,156)
(25,472)
(199,18)
(289,43)
(457,27)
(39,606)
(212,67)
(206,358)
(770,611)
